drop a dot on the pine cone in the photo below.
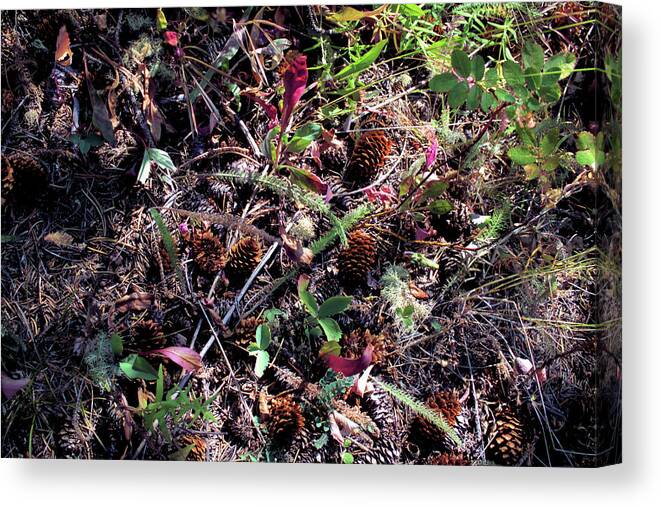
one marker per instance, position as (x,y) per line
(334,157)
(244,332)
(451,262)
(285,419)
(23,178)
(354,344)
(243,259)
(199,450)
(368,157)
(456,224)
(449,459)
(146,335)
(70,442)
(208,252)
(507,442)
(357,259)
(446,404)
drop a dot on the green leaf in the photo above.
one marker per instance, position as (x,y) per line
(331,329)
(363,62)
(261,362)
(513,74)
(591,153)
(161,22)
(461,63)
(477,67)
(116,344)
(521,155)
(443,82)
(458,94)
(135,366)
(563,63)
(411,10)
(303,137)
(440,207)
(533,56)
(487,101)
(309,302)
(418,258)
(263,336)
(161,158)
(273,313)
(334,305)
(347,458)
(473,99)
(159,384)
(330,347)
(490,78)
(504,96)
(433,190)
(550,142)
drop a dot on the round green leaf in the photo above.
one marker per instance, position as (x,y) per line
(477,67)
(458,94)
(443,82)
(461,63)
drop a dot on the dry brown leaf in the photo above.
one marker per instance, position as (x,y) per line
(59,238)
(63,53)
(417,292)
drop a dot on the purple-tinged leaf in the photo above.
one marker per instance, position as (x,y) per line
(185,357)
(295,79)
(350,367)
(269,109)
(422,234)
(432,153)
(171,38)
(385,194)
(308,180)
(11,386)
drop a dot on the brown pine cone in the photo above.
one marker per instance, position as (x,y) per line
(507,439)
(368,157)
(146,335)
(244,332)
(446,404)
(354,344)
(23,178)
(208,252)
(357,259)
(285,419)
(334,157)
(243,259)
(199,450)
(456,224)
(449,459)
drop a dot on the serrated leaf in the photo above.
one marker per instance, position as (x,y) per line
(116,344)
(550,142)
(477,67)
(533,56)
(473,99)
(443,82)
(458,94)
(521,155)
(363,62)
(330,328)
(503,95)
(461,63)
(513,74)
(562,62)
(490,78)
(334,305)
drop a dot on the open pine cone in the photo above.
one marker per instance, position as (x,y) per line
(357,259)
(285,419)
(354,344)
(243,259)
(23,178)
(453,459)
(244,332)
(199,450)
(208,252)
(507,442)
(368,157)
(146,335)
(446,404)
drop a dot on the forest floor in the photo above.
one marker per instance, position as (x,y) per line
(386,234)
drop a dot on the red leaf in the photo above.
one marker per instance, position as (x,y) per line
(171,38)
(350,367)
(295,79)
(269,109)
(11,386)
(385,194)
(185,357)
(432,152)
(307,179)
